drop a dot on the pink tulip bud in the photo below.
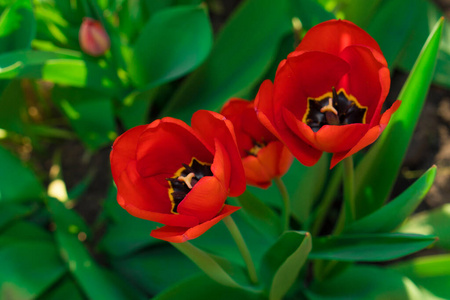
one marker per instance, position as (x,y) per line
(93,38)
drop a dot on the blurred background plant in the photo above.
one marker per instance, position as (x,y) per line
(62,234)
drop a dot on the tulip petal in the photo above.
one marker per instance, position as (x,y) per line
(211,126)
(310,75)
(304,152)
(367,80)
(264,107)
(124,150)
(183,234)
(271,161)
(166,144)
(148,198)
(334,36)
(208,196)
(370,137)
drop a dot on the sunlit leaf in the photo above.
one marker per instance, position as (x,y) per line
(430,273)
(17,25)
(376,173)
(435,222)
(390,216)
(90,114)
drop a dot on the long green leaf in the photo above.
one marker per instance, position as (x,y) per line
(17,182)
(242,52)
(90,113)
(173,42)
(395,212)
(62,68)
(87,273)
(430,273)
(365,282)
(283,261)
(259,214)
(17,25)
(376,173)
(435,222)
(373,247)
(203,288)
(207,264)
(28,268)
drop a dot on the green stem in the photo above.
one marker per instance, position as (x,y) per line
(349,189)
(286,202)
(324,206)
(240,242)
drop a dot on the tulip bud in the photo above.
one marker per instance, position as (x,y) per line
(93,38)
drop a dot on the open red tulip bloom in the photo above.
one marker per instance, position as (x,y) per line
(177,175)
(328,94)
(264,157)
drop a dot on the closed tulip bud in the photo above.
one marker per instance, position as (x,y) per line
(93,38)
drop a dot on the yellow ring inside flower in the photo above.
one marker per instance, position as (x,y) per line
(184,180)
(334,108)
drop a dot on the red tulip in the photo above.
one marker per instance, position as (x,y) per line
(93,38)
(328,94)
(180,176)
(264,157)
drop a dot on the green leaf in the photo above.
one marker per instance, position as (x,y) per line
(435,222)
(430,273)
(207,264)
(24,231)
(134,109)
(376,173)
(124,233)
(155,268)
(309,12)
(203,288)
(67,219)
(11,211)
(374,247)
(90,114)
(307,184)
(365,282)
(17,182)
(65,289)
(28,268)
(391,31)
(395,212)
(172,43)
(283,261)
(13,110)
(53,67)
(17,25)
(87,273)
(259,214)
(242,52)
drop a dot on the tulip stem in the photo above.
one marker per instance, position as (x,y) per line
(243,249)
(286,202)
(327,200)
(349,189)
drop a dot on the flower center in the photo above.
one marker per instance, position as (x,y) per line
(185,179)
(256,147)
(334,108)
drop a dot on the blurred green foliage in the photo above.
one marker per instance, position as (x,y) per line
(165,59)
